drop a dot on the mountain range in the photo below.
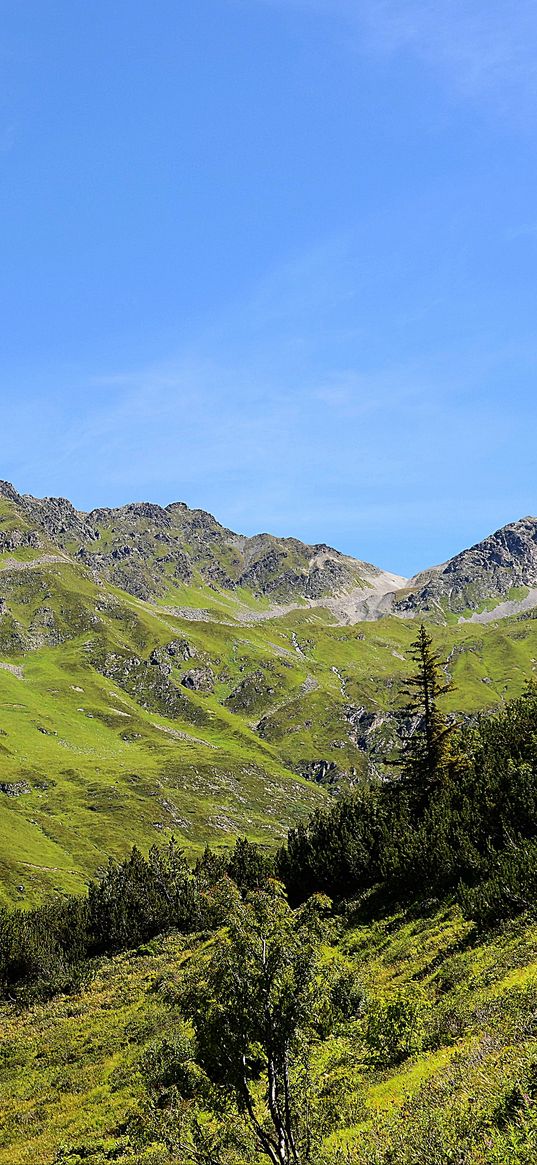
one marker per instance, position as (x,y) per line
(160,673)
(150,551)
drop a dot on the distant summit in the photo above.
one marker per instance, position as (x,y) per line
(144,549)
(149,551)
(500,569)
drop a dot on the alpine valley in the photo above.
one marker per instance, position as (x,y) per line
(161,675)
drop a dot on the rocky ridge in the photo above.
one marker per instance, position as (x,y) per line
(149,551)
(146,550)
(492,570)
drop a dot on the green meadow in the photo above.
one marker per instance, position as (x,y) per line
(71,1085)
(92,762)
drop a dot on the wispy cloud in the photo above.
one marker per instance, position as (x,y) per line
(480,47)
(483,45)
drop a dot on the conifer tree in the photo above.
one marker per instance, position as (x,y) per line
(427,751)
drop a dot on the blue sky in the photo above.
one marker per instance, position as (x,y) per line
(274,258)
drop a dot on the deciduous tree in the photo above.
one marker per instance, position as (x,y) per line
(251,1010)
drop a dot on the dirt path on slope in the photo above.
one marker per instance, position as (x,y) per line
(310,685)
(42,560)
(504,610)
(13,669)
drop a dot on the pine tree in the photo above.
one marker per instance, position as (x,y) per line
(427,752)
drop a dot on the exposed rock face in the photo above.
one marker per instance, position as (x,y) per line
(44,630)
(58,519)
(18,540)
(378,734)
(145,548)
(245,696)
(150,686)
(198,679)
(327,774)
(165,657)
(181,649)
(9,492)
(490,570)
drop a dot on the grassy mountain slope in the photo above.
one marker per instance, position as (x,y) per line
(464,1081)
(205,709)
(100,747)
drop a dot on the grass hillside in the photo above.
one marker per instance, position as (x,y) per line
(393,1025)
(101,744)
(204,705)
(459,1082)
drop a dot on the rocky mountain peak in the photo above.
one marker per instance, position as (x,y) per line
(498,565)
(9,492)
(132,511)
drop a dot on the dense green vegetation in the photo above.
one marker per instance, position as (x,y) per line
(477,822)
(178,982)
(51,947)
(434,1063)
(388,1019)
(458,816)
